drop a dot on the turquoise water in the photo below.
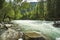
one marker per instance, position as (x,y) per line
(44,27)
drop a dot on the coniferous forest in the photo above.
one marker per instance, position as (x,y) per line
(42,10)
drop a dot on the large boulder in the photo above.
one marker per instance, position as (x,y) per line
(10,34)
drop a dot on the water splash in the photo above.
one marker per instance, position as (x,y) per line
(44,27)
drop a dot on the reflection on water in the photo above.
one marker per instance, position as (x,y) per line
(44,27)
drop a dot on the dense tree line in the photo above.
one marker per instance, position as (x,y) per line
(43,10)
(12,11)
(53,9)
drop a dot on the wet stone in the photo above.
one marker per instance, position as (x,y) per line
(33,36)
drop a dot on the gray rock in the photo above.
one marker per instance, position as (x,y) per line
(1,25)
(10,34)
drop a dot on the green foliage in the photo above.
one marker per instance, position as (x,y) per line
(14,11)
(25,5)
(53,9)
(44,10)
(18,15)
(8,12)
(1,3)
(17,1)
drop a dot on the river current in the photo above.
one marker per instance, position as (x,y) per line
(44,27)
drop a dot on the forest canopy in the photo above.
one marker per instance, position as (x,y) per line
(22,10)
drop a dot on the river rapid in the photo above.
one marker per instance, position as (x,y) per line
(44,27)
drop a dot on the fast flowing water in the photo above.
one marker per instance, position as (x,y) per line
(44,27)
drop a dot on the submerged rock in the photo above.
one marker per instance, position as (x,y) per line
(10,34)
(56,24)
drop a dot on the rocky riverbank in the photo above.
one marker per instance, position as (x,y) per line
(9,32)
